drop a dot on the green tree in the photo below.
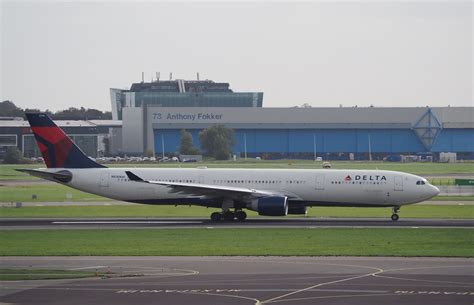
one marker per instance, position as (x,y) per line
(82,113)
(9,109)
(217,141)
(186,147)
(13,156)
(148,153)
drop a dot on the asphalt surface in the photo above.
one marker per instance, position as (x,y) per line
(246,280)
(122,223)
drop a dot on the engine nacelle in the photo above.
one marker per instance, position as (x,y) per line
(270,206)
(298,210)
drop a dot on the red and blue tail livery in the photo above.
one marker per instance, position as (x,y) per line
(57,148)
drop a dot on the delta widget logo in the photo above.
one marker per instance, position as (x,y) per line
(366,178)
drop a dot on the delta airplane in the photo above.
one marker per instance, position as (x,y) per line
(270,192)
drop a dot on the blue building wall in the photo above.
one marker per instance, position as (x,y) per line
(335,143)
(454,140)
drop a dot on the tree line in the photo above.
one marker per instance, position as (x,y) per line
(9,109)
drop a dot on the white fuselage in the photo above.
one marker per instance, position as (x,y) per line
(311,187)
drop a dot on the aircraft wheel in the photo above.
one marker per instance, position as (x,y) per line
(240,215)
(216,216)
(229,216)
(395,217)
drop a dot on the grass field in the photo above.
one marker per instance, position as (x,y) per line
(43,274)
(7,172)
(45,192)
(202,242)
(412,211)
(453,198)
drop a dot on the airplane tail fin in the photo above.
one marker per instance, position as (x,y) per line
(58,150)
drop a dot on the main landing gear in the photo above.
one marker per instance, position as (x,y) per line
(229,216)
(395,216)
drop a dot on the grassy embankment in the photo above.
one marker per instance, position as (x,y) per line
(44,274)
(245,241)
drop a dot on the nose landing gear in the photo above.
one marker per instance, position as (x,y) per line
(395,216)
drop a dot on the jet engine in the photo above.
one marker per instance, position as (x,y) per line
(270,206)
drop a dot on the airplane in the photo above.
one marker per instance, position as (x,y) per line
(269,192)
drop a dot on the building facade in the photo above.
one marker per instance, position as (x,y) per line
(331,133)
(88,135)
(181,93)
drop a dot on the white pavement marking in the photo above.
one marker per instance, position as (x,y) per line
(323,284)
(124,222)
(335,296)
(226,295)
(91,267)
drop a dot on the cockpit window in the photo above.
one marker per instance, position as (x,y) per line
(420,182)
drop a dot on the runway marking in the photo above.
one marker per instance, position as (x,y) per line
(422,268)
(431,292)
(430,267)
(204,290)
(126,222)
(258,280)
(257,302)
(419,280)
(272,300)
(135,291)
(92,267)
(334,297)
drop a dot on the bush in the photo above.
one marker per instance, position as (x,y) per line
(13,156)
(149,153)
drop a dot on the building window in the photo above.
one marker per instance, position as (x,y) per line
(8,140)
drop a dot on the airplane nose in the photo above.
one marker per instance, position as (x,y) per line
(434,190)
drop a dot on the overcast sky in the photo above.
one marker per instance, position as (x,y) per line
(60,54)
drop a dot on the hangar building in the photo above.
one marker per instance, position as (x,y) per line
(88,135)
(332,133)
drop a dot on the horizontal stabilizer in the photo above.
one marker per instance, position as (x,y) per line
(63,176)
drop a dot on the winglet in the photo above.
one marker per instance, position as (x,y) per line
(134,177)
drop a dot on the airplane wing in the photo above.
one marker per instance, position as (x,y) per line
(219,191)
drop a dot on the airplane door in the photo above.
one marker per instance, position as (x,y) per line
(319,185)
(201,179)
(104,180)
(398,183)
